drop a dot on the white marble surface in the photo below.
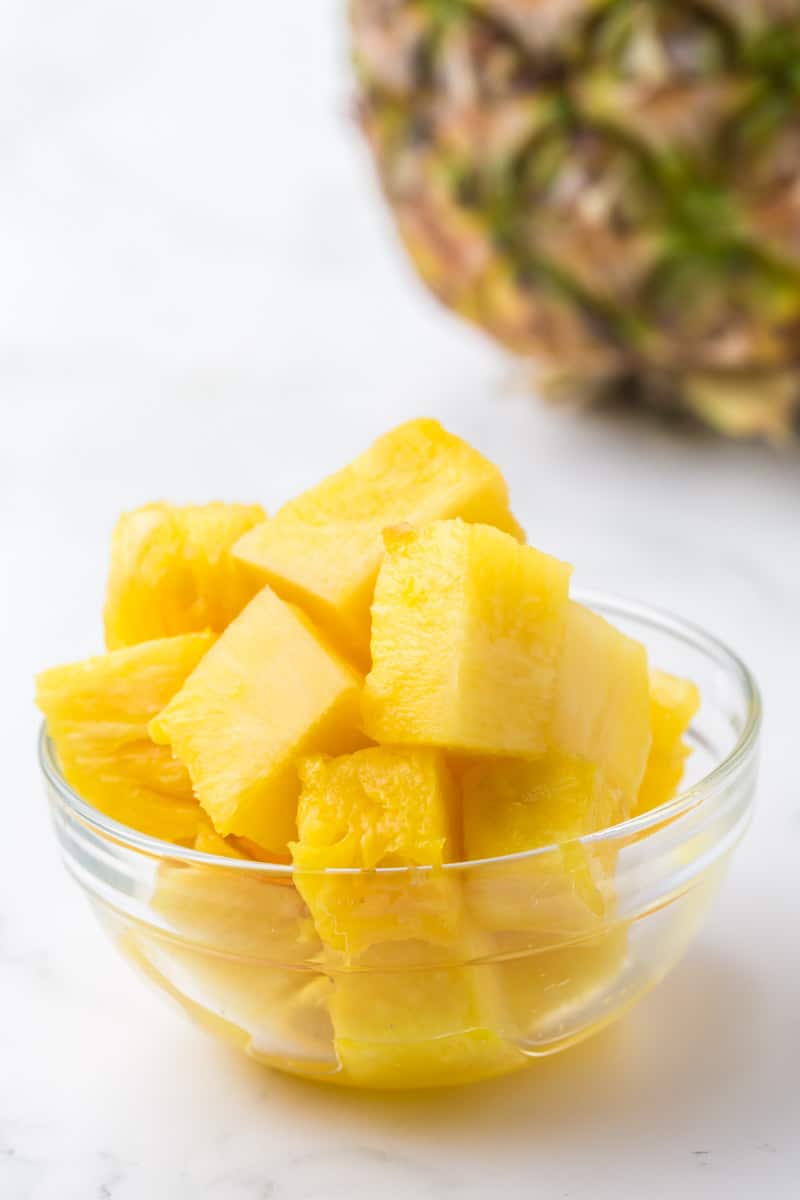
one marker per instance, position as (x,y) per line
(199,296)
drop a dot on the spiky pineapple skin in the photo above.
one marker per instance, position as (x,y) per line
(609,187)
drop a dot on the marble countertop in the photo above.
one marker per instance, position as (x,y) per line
(200,296)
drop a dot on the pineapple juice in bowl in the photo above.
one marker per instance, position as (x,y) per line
(372,795)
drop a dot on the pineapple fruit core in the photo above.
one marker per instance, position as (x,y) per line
(384,689)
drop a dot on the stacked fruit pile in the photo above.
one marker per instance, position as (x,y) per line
(382,675)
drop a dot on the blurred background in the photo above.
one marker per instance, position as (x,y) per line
(202,296)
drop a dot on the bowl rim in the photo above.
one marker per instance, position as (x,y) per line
(607,604)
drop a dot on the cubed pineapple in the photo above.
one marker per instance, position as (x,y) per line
(208,841)
(602,708)
(170,818)
(379,807)
(467,626)
(230,908)
(236,952)
(510,806)
(420,1024)
(322,550)
(673,703)
(268,691)
(172,570)
(551,994)
(97,715)
(251,849)
(514,806)
(277,1015)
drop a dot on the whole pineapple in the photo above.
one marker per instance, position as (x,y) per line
(611,187)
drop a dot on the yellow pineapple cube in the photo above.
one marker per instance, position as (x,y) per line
(511,806)
(231,908)
(169,818)
(466,631)
(97,715)
(172,570)
(251,849)
(208,841)
(236,952)
(379,807)
(553,992)
(602,707)
(419,1023)
(268,691)
(277,1015)
(322,550)
(673,703)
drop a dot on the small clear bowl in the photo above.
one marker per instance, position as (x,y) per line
(549,946)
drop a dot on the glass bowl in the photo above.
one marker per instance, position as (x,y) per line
(539,950)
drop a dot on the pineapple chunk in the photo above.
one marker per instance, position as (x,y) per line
(514,806)
(673,703)
(172,571)
(322,550)
(553,993)
(466,631)
(115,695)
(233,909)
(375,808)
(235,948)
(602,709)
(419,1025)
(97,714)
(169,818)
(277,1015)
(511,806)
(208,841)
(268,691)
(251,849)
